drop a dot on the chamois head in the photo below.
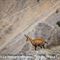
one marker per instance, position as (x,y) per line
(28,38)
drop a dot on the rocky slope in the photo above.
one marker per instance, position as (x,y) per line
(19,17)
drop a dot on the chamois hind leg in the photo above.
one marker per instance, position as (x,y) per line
(40,46)
(43,46)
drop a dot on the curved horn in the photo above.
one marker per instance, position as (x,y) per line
(27,37)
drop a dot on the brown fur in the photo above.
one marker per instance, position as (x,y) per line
(36,42)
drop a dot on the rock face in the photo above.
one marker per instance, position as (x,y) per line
(43,29)
(36,19)
(15,15)
(51,34)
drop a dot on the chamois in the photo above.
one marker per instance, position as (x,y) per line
(36,42)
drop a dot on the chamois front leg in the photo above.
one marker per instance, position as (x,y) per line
(35,47)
